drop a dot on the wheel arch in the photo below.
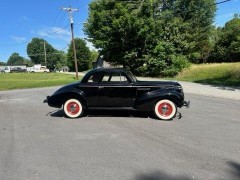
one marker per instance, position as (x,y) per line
(74,95)
(147,102)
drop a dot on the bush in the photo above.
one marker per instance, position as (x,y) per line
(179,62)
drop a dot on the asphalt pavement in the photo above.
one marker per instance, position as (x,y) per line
(38,142)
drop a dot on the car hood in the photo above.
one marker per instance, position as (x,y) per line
(158,83)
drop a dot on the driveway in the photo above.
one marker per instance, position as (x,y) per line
(38,142)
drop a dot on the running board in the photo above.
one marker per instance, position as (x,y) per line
(111,108)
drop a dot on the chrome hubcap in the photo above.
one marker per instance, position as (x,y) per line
(165,109)
(73,108)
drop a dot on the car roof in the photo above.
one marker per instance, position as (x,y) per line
(108,70)
(104,70)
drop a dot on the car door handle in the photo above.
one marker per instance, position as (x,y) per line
(101,87)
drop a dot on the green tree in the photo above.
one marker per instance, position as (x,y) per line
(56,60)
(117,32)
(200,16)
(94,56)
(227,48)
(2,63)
(83,55)
(28,62)
(149,36)
(59,60)
(16,59)
(35,50)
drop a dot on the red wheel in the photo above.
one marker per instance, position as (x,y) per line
(73,108)
(165,109)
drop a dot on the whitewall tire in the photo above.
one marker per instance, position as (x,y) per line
(165,109)
(73,108)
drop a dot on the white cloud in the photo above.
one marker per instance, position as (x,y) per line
(55,33)
(60,38)
(18,39)
(90,45)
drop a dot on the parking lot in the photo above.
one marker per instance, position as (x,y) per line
(38,142)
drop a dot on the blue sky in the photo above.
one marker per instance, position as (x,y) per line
(21,20)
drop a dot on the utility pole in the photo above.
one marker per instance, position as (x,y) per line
(45,53)
(71,11)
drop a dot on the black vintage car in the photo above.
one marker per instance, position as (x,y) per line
(117,88)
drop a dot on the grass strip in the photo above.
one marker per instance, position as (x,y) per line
(10,81)
(217,74)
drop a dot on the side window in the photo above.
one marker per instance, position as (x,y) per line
(106,77)
(95,78)
(124,78)
(114,77)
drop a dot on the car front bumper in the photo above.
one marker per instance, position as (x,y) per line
(187,104)
(46,100)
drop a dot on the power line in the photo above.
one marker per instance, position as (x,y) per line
(48,34)
(209,5)
(61,19)
(60,29)
(41,54)
(63,15)
(222,2)
(141,4)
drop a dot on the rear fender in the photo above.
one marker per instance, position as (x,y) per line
(146,102)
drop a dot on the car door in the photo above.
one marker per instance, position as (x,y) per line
(115,90)
(91,89)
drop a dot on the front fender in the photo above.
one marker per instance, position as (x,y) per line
(59,98)
(147,101)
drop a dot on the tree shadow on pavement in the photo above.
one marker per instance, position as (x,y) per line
(104,113)
(159,175)
(56,113)
(211,82)
(116,113)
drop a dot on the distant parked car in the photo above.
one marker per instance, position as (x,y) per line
(119,89)
(6,70)
(42,69)
(17,69)
(31,69)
